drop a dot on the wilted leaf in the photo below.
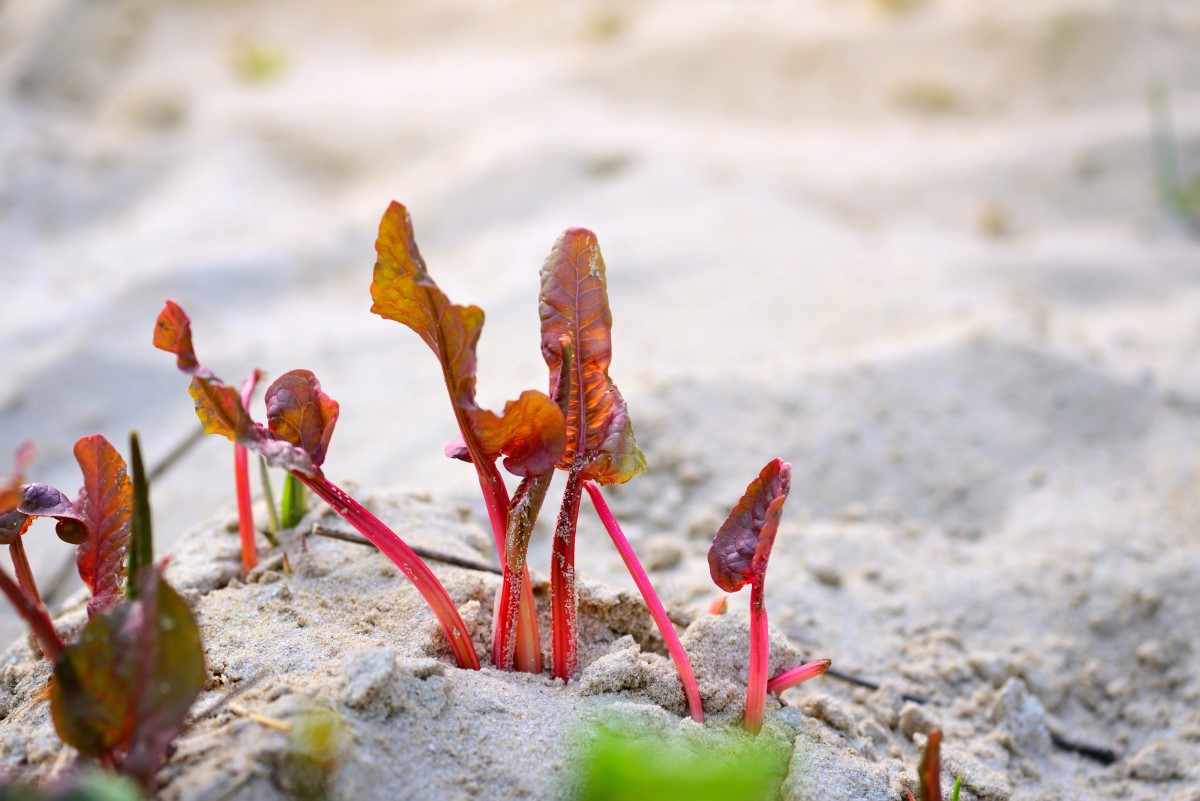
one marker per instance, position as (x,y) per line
(173,333)
(299,413)
(124,688)
(42,500)
(402,290)
(742,546)
(574,306)
(530,434)
(107,506)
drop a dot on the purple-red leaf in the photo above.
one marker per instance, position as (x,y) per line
(530,434)
(300,414)
(42,500)
(742,546)
(106,503)
(574,307)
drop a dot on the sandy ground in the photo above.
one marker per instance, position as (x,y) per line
(915,248)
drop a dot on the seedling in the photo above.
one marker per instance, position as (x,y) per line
(300,422)
(173,333)
(585,430)
(121,692)
(529,434)
(739,555)
(930,772)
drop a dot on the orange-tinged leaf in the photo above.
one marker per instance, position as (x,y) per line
(106,503)
(402,290)
(299,413)
(574,306)
(742,546)
(173,333)
(219,407)
(530,433)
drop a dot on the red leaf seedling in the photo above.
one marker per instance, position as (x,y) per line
(173,333)
(120,692)
(929,774)
(600,445)
(738,557)
(529,434)
(300,422)
(798,675)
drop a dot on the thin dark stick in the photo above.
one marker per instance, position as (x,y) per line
(176,453)
(1105,756)
(424,553)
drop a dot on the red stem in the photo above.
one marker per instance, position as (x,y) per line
(760,651)
(241,475)
(35,615)
(665,627)
(404,558)
(798,675)
(564,626)
(24,572)
(527,649)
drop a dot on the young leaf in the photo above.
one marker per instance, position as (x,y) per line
(738,556)
(930,771)
(106,503)
(10,488)
(530,434)
(740,550)
(299,413)
(141,533)
(42,500)
(173,333)
(122,691)
(574,306)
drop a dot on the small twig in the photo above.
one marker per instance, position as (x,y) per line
(859,681)
(270,723)
(176,453)
(424,553)
(1105,756)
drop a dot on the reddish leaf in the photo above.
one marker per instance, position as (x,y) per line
(930,771)
(742,546)
(124,688)
(403,291)
(173,333)
(299,413)
(106,503)
(530,434)
(574,306)
(42,500)
(12,525)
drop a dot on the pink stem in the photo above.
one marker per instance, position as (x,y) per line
(760,652)
(798,675)
(564,635)
(665,627)
(719,606)
(23,570)
(35,614)
(241,474)
(403,557)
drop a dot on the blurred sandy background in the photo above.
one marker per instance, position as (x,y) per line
(915,246)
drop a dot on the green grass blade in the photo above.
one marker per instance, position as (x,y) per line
(141,540)
(269,497)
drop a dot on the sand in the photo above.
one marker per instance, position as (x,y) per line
(915,248)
